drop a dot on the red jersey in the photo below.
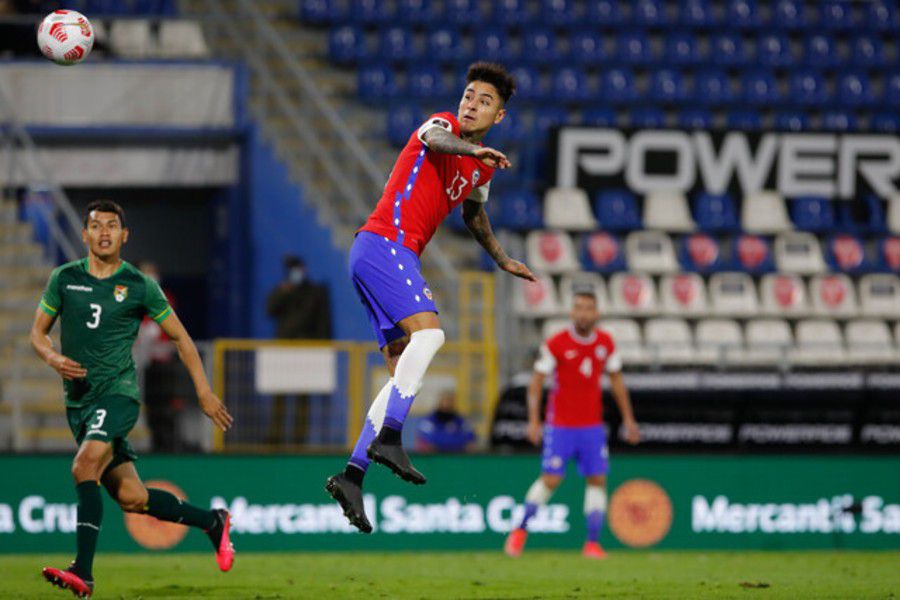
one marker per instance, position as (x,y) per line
(425,186)
(579,363)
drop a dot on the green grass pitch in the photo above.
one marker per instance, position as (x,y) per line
(537,574)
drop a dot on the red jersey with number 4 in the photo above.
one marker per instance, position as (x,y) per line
(579,363)
(425,186)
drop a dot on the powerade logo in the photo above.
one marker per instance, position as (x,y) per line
(392,515)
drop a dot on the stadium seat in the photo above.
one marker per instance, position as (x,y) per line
(570,86)
(647,117)
(839,120)
(820,51)
(727,50)
(869,343)
(604,13)
(602,252)
(617,210)
(536,298)
(182,39)
(835,15)
(789,15)
(753,254)
(791,121)
(402,121)
(599,117)
(416,12)
(551,327)
(889,254)
(649,13)
(845,253)
(700,253)
(493,45)
(372,12)
(733,294)
(520,211)
(321,12)
(132,38)
(764,212)
(696,14)
(798,252)
(682,49)
(628,339)
(529,85)
(586,48)
(774,50)
(881,16)
(719,341)
(375,84)
(715,213)
(569,209)
(539,46)
(743,14)
(395,45)
(633,48)
(569,283)
(833,296)
(862,217)
(632,294)
(683,295)
(868,52)
(669,341)
(650,252)
(885,122)
(743,120)
(511,12)
(551,252)
(696,118)
(425,82)
(879,296)
(559,13)
(444,45)
(807,88)
(783,295)
(510,132)
(617,86)
(346,45)
(760,89)
(812,213)
(667,211)
(668,87)
(854,90)
(819,342)
(463,13)
(768,342)
(893,214)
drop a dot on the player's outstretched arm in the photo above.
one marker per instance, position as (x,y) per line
(623,401)
(480,226)
(533,396)
(439,139)
(43,346)
(187,352)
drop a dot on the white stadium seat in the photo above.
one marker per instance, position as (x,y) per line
(765,212)
(833,296)
(667,211)
(799,252)
(132,38)
(553,326)
(627,336)
(632,294)
(536,299)
(819,342)
(783,295)
(569,283)
(768,341)
(669,341)
(683,295)
(893,214)
(183,39)
(879,296)
(650,252)
(869,343)
(719,340)
(569,209)
(733,294)
(551,252)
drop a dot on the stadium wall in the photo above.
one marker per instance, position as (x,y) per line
(657,501)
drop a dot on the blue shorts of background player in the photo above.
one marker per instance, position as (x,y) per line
(586,445)
(389,283)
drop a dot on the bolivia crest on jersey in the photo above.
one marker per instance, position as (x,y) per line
(120,293)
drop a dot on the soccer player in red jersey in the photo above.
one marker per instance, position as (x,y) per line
(578,355)
(442,166)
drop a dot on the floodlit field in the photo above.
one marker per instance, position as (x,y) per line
(539,574)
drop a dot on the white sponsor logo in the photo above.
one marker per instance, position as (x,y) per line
(36,515)
(801,433)
(676,433)
(79,288)
(880,434)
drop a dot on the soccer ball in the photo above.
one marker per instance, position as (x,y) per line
(65,37)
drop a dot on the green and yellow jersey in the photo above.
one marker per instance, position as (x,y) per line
(99,321)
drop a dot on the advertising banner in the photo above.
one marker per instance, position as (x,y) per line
(471,502)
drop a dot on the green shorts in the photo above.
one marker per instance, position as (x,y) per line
(108,420)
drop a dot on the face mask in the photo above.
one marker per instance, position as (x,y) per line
(296,276)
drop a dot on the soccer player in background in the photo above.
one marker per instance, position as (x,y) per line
(442,166)
(100,302)
(578,356)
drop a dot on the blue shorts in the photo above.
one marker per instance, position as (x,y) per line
(587,445)
(387,279)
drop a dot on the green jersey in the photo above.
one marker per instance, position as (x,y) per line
(99,321)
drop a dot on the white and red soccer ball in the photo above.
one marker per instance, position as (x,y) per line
(65,37)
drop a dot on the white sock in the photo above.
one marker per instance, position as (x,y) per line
(414,360)
(379,406)
(594,499)
(538,493)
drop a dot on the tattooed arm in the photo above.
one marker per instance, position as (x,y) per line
(477,221)
(439,139)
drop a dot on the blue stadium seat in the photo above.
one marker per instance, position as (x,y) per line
(839,120)
(559,13)
(668,87)
(602,252)
(445,46)
(889,254)
(321,12)
(539,46)
(791,121)
(743,14)
(617,210)
(599,117)
(571,86)
(892,91)
(682,49)
(835,15)
(760,88)
(416,12)
(605,13)
(529,86)
(695,118)
(520,211)
(774,50)
(395,45)
(712,88)
(868,51)
(511,12)
(715,213)
(402,120)
(493,44)
(425,82)
(812,213)
(346,45)
(510,131)
(586,48)
(372,12)
(376,83)
(876,221)
(790,15)
(696,14)
(700,253)
(846,253)
(885,122)
(854,90)
(633,48)
(647,117)
(881,17)
(746,120)
(753,254)
(649,13)
(463,13)
(548,118)
(808,88)
(617,86)
(727,49)
(819,51)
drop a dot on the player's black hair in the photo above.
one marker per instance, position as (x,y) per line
(494,74)
(584,290)
(107,206)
